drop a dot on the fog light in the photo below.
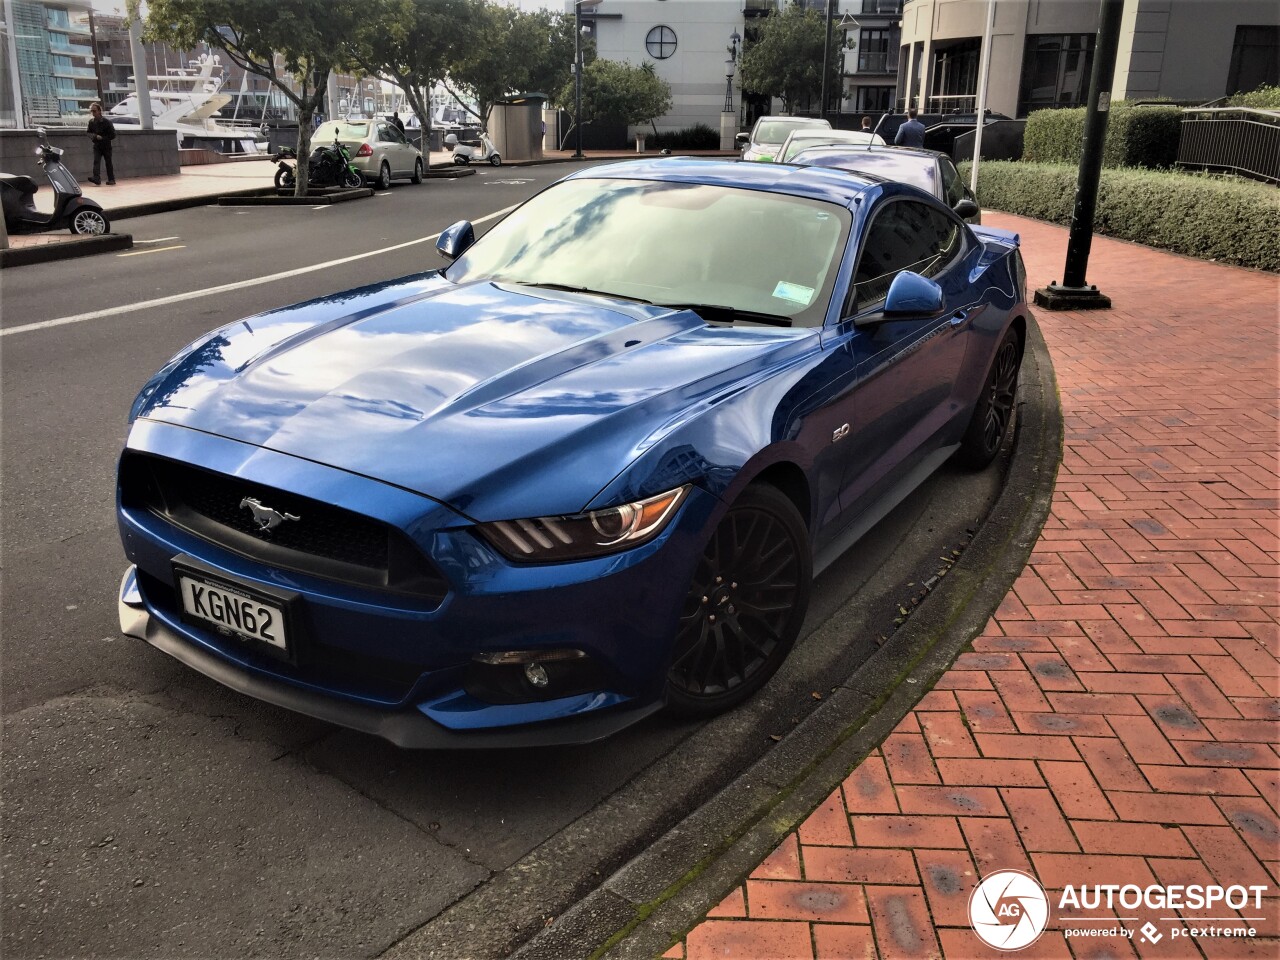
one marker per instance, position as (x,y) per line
(536,674)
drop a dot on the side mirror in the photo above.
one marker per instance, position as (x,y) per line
(913,295)
(966,208)
(741,139)
(455,240)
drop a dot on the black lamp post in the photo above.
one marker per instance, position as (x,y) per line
(577,74)
(729,65)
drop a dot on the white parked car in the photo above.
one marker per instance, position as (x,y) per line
(378,149)
(767,135)
(803,138)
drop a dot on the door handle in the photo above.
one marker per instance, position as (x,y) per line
(960,317)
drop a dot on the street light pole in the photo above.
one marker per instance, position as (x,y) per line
(1073,293)
(577,80)
(577,73)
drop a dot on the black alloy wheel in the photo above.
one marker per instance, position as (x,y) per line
(994,411)
(285,178)
(352,179)
(745,606)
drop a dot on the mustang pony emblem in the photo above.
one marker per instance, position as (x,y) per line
(266,517)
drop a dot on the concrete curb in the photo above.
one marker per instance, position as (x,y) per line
(64,250)
(181,203)
(652,901)
(275,199)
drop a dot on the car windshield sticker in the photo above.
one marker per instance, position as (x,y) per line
(793,292)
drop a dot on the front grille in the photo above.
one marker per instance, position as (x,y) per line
(325,540)
(316,663)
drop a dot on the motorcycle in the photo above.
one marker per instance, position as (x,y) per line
(71,208)
(468,151)
(330,167)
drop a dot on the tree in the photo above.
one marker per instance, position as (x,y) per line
(619,92)
(785,59)
(307,37)
(512,51)
(410,43)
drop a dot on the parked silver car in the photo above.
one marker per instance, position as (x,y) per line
(378,149)
(767,135)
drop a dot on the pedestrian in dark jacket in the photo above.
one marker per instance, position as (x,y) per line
(395,119)
(101,131)
(911,133)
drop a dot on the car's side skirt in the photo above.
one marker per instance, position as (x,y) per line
(881,508)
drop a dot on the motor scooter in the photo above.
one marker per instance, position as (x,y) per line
(71,208)
(468,151)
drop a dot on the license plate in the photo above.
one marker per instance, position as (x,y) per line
(233,610)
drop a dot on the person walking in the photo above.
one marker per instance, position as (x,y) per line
(396,121)
(911,133)
(101,131)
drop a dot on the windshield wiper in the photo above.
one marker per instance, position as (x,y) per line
(723,314)
(572,289)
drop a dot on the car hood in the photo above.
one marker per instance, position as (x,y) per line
(501,401)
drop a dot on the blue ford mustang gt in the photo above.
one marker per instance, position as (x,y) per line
(587,470)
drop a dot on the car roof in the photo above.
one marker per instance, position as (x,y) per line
(907,165)
(818,183)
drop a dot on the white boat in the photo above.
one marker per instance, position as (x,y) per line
(185,100)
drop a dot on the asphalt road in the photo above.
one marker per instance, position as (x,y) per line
(149,812)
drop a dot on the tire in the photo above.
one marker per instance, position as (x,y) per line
(285,178)
(995,408)
(417,170)
(93,223)
(352,179)
(460,160)
(495,159)
(745,605)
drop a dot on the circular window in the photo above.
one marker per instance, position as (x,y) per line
(661,42)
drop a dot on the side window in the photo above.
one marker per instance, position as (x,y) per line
(952,185)
(904,235)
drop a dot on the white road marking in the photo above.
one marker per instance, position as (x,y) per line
(138,253)
(158,240)
(227,287)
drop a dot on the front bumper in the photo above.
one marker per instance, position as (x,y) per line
(407,727)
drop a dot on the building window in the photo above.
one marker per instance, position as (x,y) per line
(1255,59)
(873,52)
(661,42)
(873,99)
(883,7)
(1055,71)
(955,76)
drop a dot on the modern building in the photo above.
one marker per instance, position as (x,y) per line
(690,45)
(48,50)
(1192,51)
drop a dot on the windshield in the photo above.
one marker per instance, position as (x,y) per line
(672,244)
(775,131)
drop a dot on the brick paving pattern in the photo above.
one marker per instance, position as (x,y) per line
(1117,721)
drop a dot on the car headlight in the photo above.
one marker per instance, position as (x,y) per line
(591,534)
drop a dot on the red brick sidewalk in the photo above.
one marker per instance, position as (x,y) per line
(1118,719)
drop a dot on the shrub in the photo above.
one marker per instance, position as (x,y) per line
(1136,136)
(698,137)
(1264,98)
(1213,218)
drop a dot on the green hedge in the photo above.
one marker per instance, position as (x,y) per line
(1264,98)
(698,137)
(1213,218)
(1136,136)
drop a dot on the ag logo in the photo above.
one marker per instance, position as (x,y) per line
(1008,910)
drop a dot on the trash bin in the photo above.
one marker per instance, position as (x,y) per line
(515,127)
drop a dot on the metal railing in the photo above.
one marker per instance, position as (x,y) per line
(1239,140)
